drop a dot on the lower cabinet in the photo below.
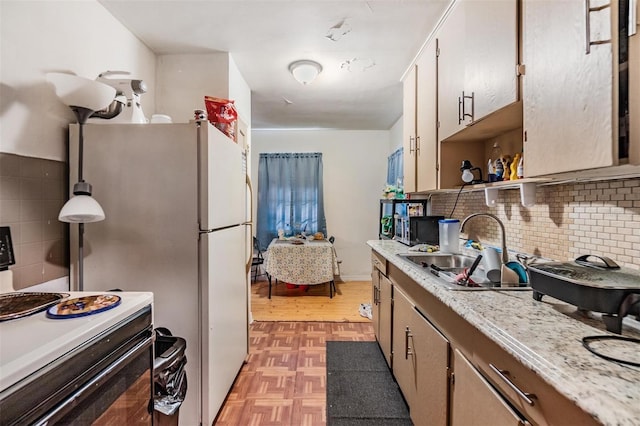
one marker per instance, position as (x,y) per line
(381,306)
(385,316)
(474,401)
(449,372)
(420,362)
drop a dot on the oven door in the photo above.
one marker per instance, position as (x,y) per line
(107,380)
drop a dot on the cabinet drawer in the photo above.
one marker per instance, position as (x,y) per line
(531,396)
(379,262)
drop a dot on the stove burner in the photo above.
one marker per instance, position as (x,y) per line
(17,305)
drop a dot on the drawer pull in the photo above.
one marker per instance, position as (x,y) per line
(407,349)
(526,397)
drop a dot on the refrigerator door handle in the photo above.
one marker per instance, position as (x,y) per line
(250,224)
(249,252)
(248,180)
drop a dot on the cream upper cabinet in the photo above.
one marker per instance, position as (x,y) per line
(567,91)
(451,38)
(419,123)
(474,402)
(420,362)
(426,121)
(491,54)
(477,62)
(409,130)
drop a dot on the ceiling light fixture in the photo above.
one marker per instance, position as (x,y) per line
(305,71)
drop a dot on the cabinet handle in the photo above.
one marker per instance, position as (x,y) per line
(460,109)
(411,146)
(407,349)
(587,24)
(464,113)
(418,145)
(526,397)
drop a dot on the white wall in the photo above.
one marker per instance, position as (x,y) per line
(185,79)
(395,136)
(355,170)
(70,36)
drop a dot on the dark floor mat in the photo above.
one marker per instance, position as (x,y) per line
(355,356)
(349,421)
(360,387)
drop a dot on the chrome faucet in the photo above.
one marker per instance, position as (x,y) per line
(505,255)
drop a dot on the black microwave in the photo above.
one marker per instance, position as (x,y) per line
(414,230)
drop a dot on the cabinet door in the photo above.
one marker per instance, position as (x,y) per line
(420,363)
(426,121)
(385,317)
(567,92)
(491,55)
(474,401)
(375,304)
(451,39)
(402,360)
(409,130)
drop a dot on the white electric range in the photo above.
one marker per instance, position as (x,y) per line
(31,343)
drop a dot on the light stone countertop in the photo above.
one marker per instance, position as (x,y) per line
(546,338)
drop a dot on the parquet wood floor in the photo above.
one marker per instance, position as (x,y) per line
(312,305)
(283,382)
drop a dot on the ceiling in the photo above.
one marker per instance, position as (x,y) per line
(364,47)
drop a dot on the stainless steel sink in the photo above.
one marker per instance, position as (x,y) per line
(446,266)
(441,260)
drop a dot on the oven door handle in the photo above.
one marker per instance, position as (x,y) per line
(90,387)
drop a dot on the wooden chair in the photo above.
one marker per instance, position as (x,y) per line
(331,240)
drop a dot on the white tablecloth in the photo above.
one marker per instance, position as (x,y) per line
(313,262)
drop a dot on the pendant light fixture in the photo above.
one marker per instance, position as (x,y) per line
(84,97)
(305,71)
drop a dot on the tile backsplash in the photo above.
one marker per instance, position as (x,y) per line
(32,192)
(568,220)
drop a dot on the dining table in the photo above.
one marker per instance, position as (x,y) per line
(301,262)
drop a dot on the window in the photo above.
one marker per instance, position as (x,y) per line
(395,170)
(290,195)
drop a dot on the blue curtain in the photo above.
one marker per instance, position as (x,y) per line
(395,167)
(290,195)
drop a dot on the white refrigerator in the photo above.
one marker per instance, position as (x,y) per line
(174,198)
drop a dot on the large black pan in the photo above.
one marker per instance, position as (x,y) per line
(594,286)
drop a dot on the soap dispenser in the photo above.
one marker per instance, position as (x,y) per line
(491,171)
(520,170)
(498,162)
(514,167)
